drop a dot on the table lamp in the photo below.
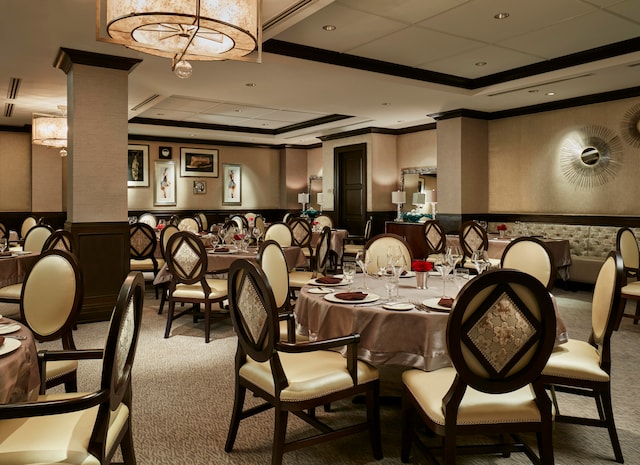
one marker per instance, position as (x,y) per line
(303,198)
(320,198)
(432,199)
(399,197)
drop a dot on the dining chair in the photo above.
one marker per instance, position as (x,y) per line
(300,278)
(189,224)
(60,239)
(323,220)
(287,216)
(3,231)
(166,233)
(50,301)
(260,224)
(584,367)
(187,262)
(148,218)
(279,232)
(36,237)
(493,386)
(142,250)
(240,221)
(474,237)
(288,377)
(435,239)
(174,220)
(89,427)
(531,255)
(204,222)
(377,247)
(301,234)
(627,246)
(28,223)
(354,243)
(251,219)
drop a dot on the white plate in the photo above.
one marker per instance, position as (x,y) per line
(9,328)
(433,304)
(369,298)
(315,282)
(9,346)
(22,252)
(319,290)
(399,306)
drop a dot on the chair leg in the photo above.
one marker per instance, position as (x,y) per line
(373,419)
(236,416)
(172,306)
(623,304)
(126,447)
(163,298)
(605,396)
(545,444)
(408,425)
(207,321)
(279,436)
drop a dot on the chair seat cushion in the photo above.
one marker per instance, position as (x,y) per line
(430,387)
(311,375)
(58,368)
(631,289)
(195,291)
(67,437)
(12,291)
(575,360)
(299,279)
(352,249)
(145,265)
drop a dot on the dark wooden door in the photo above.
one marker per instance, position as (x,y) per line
(351,187)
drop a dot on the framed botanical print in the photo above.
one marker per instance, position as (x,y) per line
(164,190)
(231,184)
(198,162)
(138,166)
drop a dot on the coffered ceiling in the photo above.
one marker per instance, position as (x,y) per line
(387,64)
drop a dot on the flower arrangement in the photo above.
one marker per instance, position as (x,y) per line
(421,265)
(502,227)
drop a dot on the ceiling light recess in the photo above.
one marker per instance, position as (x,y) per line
(200,30)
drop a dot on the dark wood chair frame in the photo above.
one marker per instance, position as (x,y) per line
(60,239)
(301,234)
(439,245)
(357,239)
(162,243)
(629,272)
(146,250)
(472,228)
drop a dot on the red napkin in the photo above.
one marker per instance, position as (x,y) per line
(446,302)
(351,295)
(328,280)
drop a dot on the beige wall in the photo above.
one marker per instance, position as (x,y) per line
(15,169)
(46,195)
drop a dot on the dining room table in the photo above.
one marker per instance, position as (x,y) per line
(15,264)
(336,244)
(19,372)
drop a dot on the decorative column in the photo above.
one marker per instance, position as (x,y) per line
(96,194)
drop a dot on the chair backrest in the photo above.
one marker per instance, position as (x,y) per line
(204,223)
(259,223)
(279,232)
(473,237)
(165,235)
(240,221)
(60,239)
(501,331)
(51,297)
(253,311)
(323,220)
(186,258)
(142,241)
(3,231)
(287,216)
(36,237)
(189,224)
(627,245)
(367,228)
(148,218)
(28,223)
(174,220)
(251,219)
(605,306)
(323,247)
(435,237)
(274,264)
(301,232)
(531,255)
(378,245)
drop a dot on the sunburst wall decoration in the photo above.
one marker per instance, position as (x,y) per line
(630,126)
(591,156)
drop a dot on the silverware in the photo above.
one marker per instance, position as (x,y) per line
(421,307)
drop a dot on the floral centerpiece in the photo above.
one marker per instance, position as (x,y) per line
(421,266)
(502,229)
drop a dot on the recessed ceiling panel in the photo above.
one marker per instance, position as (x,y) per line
(407,11)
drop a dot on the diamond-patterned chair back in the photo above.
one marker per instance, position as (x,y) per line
(142,241)
(186,258)
(322,251)
(301,232)
(501,331)
(435,237)
(60,239)
(189,224)
(473,237)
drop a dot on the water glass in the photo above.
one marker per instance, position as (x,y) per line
(461,277)
(363,263)
(349,272)
(3,244)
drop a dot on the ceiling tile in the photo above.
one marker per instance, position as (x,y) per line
(407,11)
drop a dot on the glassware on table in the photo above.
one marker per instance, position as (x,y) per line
(257,233)
(398,269)
(348,273)
(454,255)
(480,260)
(363,259)
(461,277)
(394,254)
(390,282)
(442,265)
(3,244)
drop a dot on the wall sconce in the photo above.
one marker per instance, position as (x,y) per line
(303,198)
(399,197)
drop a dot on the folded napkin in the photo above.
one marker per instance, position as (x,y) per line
(351,295)
(222,249)
(446,302)
(328,280)
(5,253)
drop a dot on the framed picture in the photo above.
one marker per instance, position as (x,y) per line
(138,166)
(198,162)
(199,187)
(164,153)
(231,184)
(164,190)
(420,185)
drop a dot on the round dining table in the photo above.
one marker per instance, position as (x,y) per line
(19,373)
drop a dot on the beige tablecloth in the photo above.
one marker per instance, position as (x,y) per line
(337,241)
(19,375)
(399,338)
(13,269)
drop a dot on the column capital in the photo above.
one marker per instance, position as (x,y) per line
(66,57)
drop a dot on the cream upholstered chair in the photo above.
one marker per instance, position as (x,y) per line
(60,239)
(474,237)
(584,367)
(352,244)
(494,385)
(301,234)
(36,237)
(187,261)
(377,248)
(166,233)
(259,223)
(435,239)
(627,246)
(142,249)
(89,427)
(148,218)
(50,302)
(531,255)
(323,220)
(299,278)
(189,224)
(279,232)
(204,222)
(3,231)
(240,221)
(294,378)
(28,223)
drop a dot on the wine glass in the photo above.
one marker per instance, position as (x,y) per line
(349,272)
(257,233)
(442,265)
(393,254)
(454,255)
(479,259)
(3,244)
(362,261)
(390,281)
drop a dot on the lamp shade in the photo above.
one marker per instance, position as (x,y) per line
(303,198)
(419,198)
(49,130)
(398,197)
(320,198)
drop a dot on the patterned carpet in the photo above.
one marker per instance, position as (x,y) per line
(183,389)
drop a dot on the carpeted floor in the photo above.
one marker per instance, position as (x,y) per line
(183,389)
